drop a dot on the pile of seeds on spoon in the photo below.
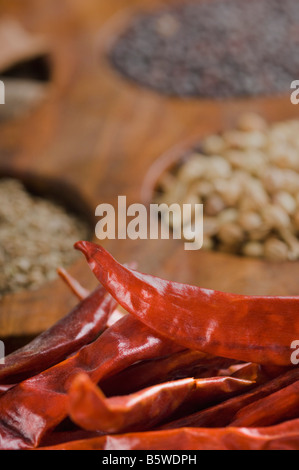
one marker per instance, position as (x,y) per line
(36,236)
(213,48)
(247,179)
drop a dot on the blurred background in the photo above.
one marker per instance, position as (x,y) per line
(130,97)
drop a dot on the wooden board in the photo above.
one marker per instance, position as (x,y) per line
(99,134)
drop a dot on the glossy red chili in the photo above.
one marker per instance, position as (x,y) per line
(246,328)
(35,406)
(81,326)
(91,410)
(281,437)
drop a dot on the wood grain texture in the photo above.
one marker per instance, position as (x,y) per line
(100,134)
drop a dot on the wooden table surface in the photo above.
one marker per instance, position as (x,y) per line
(95,138)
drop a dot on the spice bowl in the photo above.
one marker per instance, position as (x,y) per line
(204,50)
(249,225)
(41,219)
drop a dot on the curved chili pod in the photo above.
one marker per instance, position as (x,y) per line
(249,371)
(33,407)
(5,388)
(224,413)
(181,365)
(281,437)
(60,437)
(90,409)
(277,407)
(245,328)
(73,284)
(81,326)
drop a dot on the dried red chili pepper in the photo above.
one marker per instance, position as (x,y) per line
(60,437)
(32,410)
(224,413)
(39,404)
(248,371)
(281,437)
(277,407)
(115,316)
(91,410)
(183,364)
(245,328)
(73,284)
(81,326)
(4,388)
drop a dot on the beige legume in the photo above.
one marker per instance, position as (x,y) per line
(248,181)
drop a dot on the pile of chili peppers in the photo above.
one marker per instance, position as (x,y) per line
(177,368)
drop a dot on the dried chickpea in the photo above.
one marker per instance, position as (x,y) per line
(291,181)
(275,250)
(273,180)
(260,234)
(214,205)
(175,194)
(230,233)
(252,122)
(248,180)
(286,201)
(253,249)
(291,241)
(228,215)
(256,140)
(256,162)
(217,167)
(247,204)
(284,156)
(229,190)
(234,139)
(214,145)
(250,221)
(279,132)
(235,157)
(275,216)
(255,191)
(194,168)
(203,188)
(245,140)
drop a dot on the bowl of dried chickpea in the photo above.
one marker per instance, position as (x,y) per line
(247,179)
